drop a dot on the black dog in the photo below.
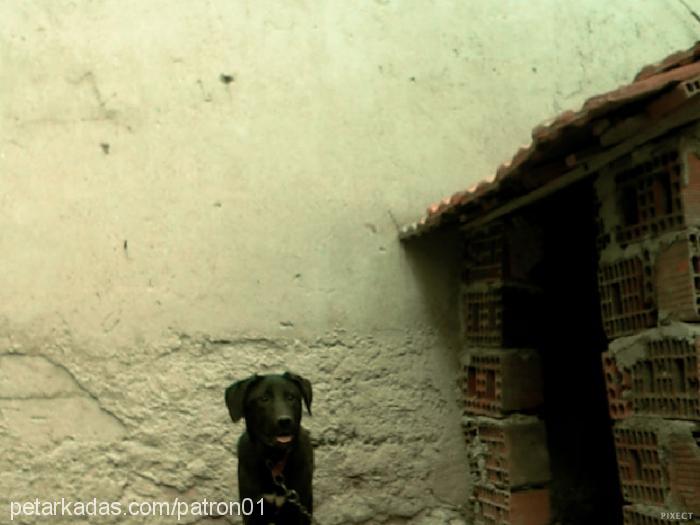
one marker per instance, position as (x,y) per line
(274,453)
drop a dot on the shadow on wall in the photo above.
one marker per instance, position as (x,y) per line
(435,264)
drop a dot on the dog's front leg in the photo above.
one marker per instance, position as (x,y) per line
(252,487)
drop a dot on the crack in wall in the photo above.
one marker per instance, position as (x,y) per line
(81,389)
(690,10)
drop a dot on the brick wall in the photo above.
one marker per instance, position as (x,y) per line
(652,191)
(649,284)
(659,462)
(508,453)
(496,382)
(501,377)
(493,506)
(655,374)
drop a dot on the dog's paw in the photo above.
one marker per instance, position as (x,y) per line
(274,499)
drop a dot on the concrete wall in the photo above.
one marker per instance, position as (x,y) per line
(194,191)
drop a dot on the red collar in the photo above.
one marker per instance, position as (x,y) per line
(277,469)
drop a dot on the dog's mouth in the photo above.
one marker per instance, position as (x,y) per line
(284,439)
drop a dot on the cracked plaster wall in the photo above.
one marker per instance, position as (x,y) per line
(192,192)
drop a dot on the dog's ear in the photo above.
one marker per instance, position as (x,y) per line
(305,387)
(235,397)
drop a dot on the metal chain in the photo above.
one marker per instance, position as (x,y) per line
(292,496)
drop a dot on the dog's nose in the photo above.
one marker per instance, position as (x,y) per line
(284,422)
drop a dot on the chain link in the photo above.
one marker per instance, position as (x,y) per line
(292,496)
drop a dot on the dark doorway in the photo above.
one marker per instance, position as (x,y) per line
(585,487)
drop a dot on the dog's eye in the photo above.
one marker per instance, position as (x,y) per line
(289,397)
(264,398)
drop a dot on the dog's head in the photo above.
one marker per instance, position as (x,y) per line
(271,405)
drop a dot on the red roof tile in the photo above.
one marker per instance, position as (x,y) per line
(557,143)
(678,59)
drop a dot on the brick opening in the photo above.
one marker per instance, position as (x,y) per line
(584,487)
